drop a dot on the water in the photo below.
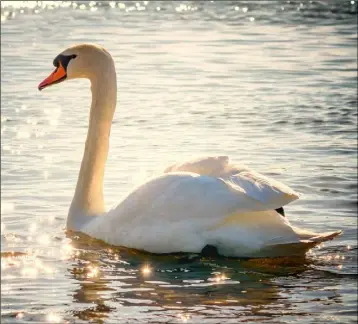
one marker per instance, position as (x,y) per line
(272,84)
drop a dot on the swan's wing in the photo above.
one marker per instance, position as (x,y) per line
(213,166)
(272,193)
(173,194)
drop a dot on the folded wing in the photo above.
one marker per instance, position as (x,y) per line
(271,193)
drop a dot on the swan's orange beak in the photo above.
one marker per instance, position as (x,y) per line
(55,77)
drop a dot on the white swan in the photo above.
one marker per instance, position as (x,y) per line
(204,202)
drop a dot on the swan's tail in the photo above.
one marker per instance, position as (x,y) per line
(307,237)
(263,234)
(308,240)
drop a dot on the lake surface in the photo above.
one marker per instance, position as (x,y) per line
(272,84)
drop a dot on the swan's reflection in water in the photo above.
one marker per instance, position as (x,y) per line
(122,285)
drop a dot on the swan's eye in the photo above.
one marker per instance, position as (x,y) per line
(64,59)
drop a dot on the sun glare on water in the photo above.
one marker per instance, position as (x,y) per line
(146,270)
(53,318)
(92,271)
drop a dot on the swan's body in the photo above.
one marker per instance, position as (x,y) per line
(203,202)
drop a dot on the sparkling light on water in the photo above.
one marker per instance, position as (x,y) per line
(67,251)
(146,270)
(29,272)
(220,278)
(43,239)
(53,318)
(184,317)
(92,271)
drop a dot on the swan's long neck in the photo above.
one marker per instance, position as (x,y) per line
(88,199)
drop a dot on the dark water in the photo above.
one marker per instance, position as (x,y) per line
(270,83)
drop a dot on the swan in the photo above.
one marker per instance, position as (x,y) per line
(205,202)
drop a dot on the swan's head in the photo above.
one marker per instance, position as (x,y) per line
(80,61)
